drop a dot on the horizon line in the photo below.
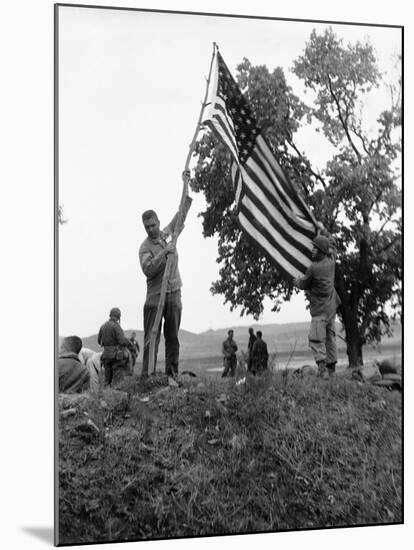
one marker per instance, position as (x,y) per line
(252,325)
(257,324)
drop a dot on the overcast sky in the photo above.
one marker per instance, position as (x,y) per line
(130,89)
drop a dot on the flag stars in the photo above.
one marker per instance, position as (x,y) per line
(242,121)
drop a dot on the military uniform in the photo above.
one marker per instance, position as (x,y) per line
(260,356)
(229,349)
(134,349)
(252,340)
(115,356)
(73,376)
(154,272)
(323,301)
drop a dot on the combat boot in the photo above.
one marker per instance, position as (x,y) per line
(331,368)
(322,370)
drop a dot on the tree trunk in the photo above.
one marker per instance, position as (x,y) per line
(354,341)
(354,347)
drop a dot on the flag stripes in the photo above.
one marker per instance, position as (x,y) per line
(275,171)
(221,130)
(271,212)
(252,172)
(237,180)
(275,220)
(274,252)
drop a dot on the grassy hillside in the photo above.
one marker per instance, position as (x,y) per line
(208,458)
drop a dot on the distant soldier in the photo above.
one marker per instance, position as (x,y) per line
(229,349)
(324,301)
(260,355)
(252,340)
(115,356)
(73,376)
(133,347)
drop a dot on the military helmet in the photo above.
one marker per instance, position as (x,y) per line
(115,312)
(321,243)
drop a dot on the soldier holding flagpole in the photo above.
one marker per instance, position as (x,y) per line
(153,255)
(152,327)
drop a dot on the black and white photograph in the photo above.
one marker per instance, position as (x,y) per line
(228,274)
(205,293)
(251,383)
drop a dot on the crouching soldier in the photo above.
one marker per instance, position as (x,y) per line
(92,361)
(74,377)
(229,349)
(116,358)
(324,301)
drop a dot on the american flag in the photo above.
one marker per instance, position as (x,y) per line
(270,211)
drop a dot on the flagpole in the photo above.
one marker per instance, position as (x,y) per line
(183,209)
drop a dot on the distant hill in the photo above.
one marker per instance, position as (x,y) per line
(205,344)
(279,337)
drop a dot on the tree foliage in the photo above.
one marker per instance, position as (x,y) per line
(356,195)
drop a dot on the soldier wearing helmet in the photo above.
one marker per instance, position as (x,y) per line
(319,281)
(115,356)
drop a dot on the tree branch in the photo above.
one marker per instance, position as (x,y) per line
(346,111)
(363,141)
(384,224)
(384,135)
(387,246)
(377,199)
(344,125)
(314,174)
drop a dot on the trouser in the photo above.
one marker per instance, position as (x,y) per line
(229,365)
(250,362)
(322,339)
(172,319)
(259,365)
(114,369)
